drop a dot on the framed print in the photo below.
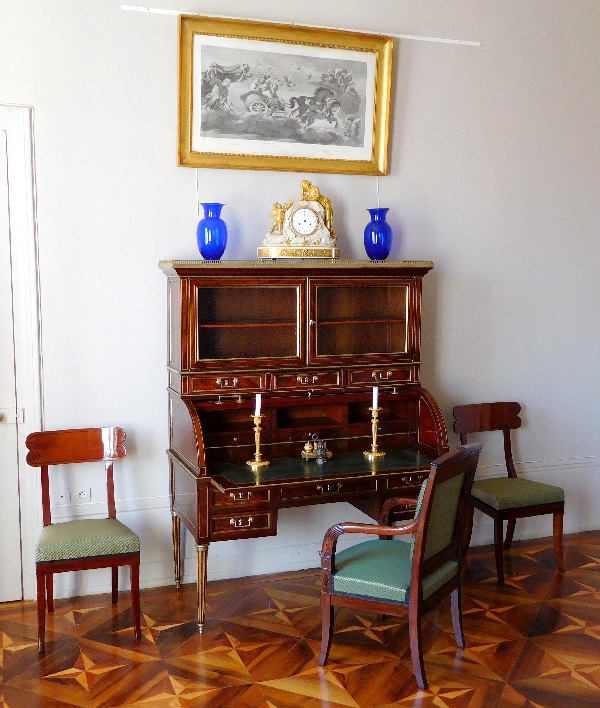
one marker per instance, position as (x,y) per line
(262,96)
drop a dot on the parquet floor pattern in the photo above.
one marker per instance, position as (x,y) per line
(533,644)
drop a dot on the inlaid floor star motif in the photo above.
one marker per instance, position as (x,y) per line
(438,696)
(371,629)
(280,611)
(152,629)
(579,625)
(487,610)
(85,671)
(75,616)
(585,671)
(8,647)
(588,591)
(174,692)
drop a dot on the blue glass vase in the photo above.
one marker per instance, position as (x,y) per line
(212,233)
(378,235)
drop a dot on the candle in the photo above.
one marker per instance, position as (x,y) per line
(375,396)
(257,406)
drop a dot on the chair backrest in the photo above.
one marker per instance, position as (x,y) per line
(482,417)
(65,447)
(442,510)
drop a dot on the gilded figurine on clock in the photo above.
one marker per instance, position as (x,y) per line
(301,228)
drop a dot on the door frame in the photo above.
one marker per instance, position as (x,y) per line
(17,122)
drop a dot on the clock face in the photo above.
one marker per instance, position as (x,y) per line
(304,221)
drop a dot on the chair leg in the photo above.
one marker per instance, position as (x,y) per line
(135,598)
(558,540)
(510,531)
(467,536)
(326,627)
(457,623)
(50,592)
(115,584)
(416,645)
(41,612)
(498,543)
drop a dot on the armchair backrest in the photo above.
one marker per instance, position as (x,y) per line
(65,447)
(442,510)
(483,417)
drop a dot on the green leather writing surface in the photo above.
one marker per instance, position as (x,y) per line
(347,464)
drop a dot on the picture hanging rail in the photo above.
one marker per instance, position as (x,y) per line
(442,40)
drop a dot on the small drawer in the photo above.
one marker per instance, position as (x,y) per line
(307,379)
(328,489)
(411,479)
(241,497)
(222,383)
(381,375)
(238,525)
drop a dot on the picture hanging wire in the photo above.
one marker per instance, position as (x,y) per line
(229,17)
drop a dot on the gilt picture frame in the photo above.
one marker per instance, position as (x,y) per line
(266,96)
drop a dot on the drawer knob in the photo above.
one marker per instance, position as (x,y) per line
(241,523)
(330,488)
(240,496)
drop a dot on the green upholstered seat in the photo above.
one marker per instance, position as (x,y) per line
(382,569)
(515,493)
(85,538)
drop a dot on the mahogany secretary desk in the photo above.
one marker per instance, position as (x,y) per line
(313,338)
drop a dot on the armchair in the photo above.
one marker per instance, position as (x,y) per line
(391,577)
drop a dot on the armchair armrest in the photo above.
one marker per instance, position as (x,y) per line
(334,532)
(392,503)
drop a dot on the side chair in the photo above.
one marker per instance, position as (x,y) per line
(388,576)
(508,498)
(83,543)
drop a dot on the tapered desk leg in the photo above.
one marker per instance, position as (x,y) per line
(177,548)
(202,552)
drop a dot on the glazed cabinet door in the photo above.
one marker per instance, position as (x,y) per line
(364,320)
(237,323)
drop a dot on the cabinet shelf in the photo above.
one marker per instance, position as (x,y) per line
(364,321)
(238,325)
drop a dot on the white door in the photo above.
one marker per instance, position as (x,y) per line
(20,355)
(10,527)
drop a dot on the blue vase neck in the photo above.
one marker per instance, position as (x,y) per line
(211,210)
(378,214)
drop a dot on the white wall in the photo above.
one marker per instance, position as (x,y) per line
(494,177)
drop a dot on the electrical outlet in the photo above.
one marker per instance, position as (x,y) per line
(64,496)
(83,496)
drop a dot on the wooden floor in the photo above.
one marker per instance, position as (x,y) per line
(534,643)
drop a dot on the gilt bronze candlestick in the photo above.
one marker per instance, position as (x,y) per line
(257,462)
(374,452)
